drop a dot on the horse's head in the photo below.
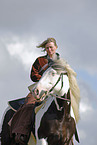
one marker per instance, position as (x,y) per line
(54,80)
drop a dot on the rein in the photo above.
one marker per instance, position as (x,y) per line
(55,99)
(56,96)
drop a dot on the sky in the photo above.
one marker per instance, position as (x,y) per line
(24,24)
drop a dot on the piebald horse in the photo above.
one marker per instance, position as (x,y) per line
(53,122)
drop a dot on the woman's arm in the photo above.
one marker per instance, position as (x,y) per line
(35,76)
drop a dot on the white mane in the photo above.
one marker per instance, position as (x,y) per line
(75,92)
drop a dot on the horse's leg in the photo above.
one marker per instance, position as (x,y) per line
(5,132)
(41,142)
(71,142)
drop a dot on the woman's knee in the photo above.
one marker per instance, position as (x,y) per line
(30,99)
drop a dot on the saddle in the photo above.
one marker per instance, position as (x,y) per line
(15,104)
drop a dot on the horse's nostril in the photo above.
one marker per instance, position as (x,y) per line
(45,92)
(37,92)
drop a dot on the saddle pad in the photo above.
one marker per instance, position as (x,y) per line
(39,107)
(15,104)
(32,140)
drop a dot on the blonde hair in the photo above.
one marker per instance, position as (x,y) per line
(42,45)
(75,92)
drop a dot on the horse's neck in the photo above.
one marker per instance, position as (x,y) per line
(66,107)
(66,114)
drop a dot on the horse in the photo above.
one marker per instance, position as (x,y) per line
(53,121)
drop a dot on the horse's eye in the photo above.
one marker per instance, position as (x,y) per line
(53,73)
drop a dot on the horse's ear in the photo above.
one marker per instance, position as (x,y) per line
(76,135)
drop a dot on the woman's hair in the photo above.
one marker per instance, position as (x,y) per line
(42,45)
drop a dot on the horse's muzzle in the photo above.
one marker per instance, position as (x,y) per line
(39,95)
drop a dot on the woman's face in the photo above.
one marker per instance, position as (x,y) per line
(50,48)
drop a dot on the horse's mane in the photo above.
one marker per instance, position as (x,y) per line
(60,65)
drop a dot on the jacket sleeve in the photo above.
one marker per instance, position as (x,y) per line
(35,76)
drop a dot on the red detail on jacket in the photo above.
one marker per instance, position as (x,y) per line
(36,67)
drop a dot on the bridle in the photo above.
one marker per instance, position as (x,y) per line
(60,78)
(45,94)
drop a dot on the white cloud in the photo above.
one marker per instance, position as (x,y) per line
(18,50)
(24,50)
(15,49)
(85,107)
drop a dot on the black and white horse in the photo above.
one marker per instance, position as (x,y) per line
(53,121)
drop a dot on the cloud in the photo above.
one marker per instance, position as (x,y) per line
(17,57)
(14,79)
(85,107)
(24,50)
(73,24)
(25,24)
(88,117)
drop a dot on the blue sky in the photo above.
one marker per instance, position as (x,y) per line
(26,23)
